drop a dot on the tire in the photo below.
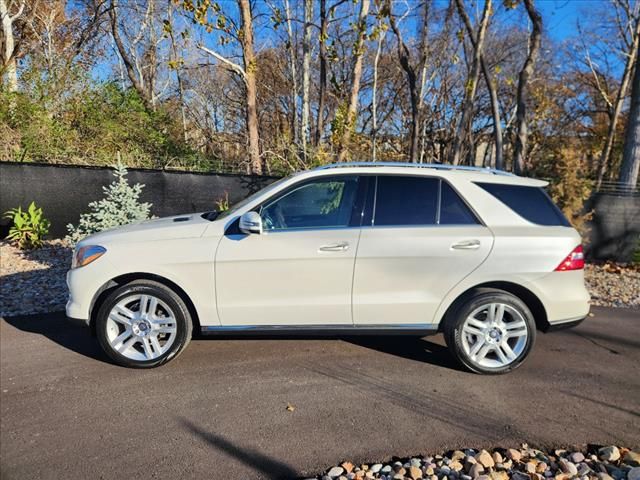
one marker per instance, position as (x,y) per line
(490,331)
(143,324)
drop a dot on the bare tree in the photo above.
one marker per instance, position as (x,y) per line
(356,75)
(293,72)
(325,17)
(9,49)
(248,75)
(520,149)
(413,69)
(615,108)
(631,152)
(472,82)
(381,32)
(493,94)
(306,73)
(141,66)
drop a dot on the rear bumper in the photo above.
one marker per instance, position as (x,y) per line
(564,296)
(563,325)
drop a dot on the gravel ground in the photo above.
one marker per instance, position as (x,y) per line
(589,463)
(34,282)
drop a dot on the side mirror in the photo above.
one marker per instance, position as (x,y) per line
(251,222)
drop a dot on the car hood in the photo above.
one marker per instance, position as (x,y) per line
(167,228)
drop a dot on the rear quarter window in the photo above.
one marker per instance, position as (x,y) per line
(531,203)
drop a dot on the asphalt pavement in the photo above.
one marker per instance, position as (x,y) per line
(220,409)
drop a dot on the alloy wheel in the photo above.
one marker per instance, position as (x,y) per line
(494,335)
(141,327)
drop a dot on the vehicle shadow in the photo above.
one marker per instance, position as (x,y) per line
(418,349)
(267,466)
(57,328)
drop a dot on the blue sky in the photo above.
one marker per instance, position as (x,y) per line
(560,16)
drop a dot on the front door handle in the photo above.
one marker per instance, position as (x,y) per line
(335,247)
(466,245)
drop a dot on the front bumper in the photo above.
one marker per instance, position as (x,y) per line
(84,284)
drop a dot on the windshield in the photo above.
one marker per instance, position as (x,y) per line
(251,197)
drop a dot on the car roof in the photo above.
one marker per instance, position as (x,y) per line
(453,172)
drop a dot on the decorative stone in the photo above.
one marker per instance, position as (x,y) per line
(604,476)
(530,467)
(476,470)
(335,472)
(348,466)
(609,454)
(497,458)
(567,467)
(457,455)
(634,473)
(415,473)
(632,458)
(514,455)
(376,468)
(485,459)
(576,457)
(499,475)
(541,467)
(455,466)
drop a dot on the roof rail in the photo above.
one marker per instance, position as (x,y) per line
(436,166)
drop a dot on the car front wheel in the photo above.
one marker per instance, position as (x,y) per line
(490,331)
(143,324)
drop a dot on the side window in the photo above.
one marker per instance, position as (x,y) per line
(325,203)
(531,203)
(406,201)
(453,210)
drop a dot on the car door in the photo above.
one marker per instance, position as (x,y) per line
(419,241)
(299,271)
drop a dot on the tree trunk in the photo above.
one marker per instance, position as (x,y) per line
(631,153)
(294,76)
(250,68)
(9,54)
(520,150)
(472,82)
(617,107)
(495,112)
(374,97)
(412,74)
(137,82)
(306,72)
(322,88)
(352,109)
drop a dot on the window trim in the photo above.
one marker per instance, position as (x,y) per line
(479,221)
(359,198)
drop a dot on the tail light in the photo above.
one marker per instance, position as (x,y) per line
(574,261)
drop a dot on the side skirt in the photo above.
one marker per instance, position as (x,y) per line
(320,330)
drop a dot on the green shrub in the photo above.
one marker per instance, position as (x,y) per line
(120,206)
(29,227)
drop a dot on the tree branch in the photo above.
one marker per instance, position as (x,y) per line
(231,65)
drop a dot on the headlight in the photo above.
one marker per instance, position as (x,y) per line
(85,255)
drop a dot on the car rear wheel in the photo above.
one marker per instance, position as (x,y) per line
(143,324)
(490,331)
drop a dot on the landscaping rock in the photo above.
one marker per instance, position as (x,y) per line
(609,454)
(485,459)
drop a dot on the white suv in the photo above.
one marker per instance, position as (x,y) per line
(483,256)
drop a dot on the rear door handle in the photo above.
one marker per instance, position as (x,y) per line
(335,247)
(466,245)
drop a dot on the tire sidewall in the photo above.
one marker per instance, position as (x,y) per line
(173,302)
(453,331)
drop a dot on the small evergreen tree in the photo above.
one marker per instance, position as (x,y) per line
(120,206)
